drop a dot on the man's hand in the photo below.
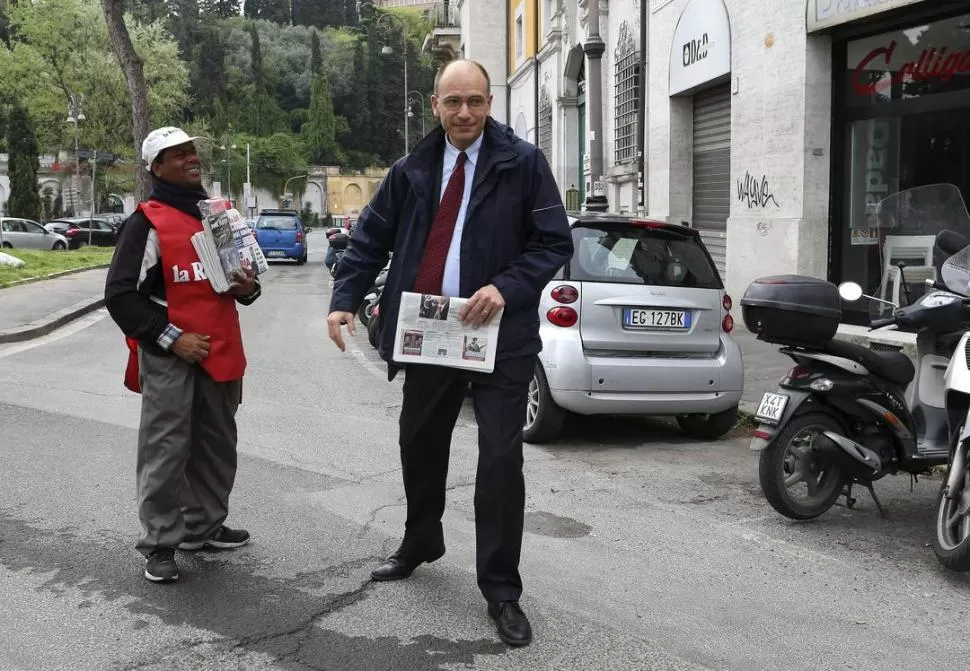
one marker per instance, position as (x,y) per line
(334,321)
(482,306)
(243,284)
(192,347)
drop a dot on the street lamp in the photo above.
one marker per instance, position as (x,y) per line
(388,50)
(228,147)
(411,111)
(286,184)
(75,115)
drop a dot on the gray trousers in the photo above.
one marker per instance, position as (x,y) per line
(186,451)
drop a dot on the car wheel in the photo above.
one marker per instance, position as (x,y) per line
(709,427)
(543,418)
(82,244)
(7,245)
(59,246)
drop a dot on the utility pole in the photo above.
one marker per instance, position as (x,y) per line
(594,48)
(94,198)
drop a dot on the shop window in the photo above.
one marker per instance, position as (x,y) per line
(909,63)
(626,101)
(545,124)
(905,120)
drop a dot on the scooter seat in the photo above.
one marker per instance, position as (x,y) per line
(893,366)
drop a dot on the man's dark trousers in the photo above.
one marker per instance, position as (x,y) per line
(433,397)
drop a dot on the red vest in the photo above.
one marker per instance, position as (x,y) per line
(193,306)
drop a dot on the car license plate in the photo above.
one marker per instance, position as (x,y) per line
(772,408)
(648,318)
(276,253)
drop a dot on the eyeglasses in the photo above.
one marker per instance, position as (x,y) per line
(453,103)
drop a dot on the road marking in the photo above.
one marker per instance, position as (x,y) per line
(70,329)
(361,357)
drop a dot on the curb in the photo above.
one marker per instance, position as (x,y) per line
(52,276)
(51,322)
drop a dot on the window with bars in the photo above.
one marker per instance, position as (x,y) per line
(626,101)
(545,125)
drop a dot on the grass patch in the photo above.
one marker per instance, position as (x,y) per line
(38,263)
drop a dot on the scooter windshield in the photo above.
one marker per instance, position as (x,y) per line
(927,237)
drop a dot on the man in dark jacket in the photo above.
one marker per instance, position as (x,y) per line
(187,361)
(472,212)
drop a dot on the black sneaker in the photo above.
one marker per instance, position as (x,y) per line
(224,539)
(161,567)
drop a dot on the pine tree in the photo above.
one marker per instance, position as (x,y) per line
(358,110)
(316,59)
(269,10)
(24,198)
(220,9)
(321,129)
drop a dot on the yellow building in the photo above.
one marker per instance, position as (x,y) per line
(347,194)
(523,33)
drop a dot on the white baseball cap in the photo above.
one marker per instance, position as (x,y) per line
(161,139)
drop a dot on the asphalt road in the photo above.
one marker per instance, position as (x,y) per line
(643,550)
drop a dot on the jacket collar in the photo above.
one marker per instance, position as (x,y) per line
(498,148)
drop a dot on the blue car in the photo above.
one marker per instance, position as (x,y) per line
(280,235)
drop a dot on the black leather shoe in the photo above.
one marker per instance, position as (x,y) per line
(402,563)
(513,626)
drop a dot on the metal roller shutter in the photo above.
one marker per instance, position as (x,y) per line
(712,169)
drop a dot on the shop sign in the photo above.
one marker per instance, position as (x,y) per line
(822,14)
(701,48)
(933,64)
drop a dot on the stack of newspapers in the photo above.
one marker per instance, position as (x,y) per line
(225,245)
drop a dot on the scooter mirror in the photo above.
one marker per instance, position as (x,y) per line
(850,291)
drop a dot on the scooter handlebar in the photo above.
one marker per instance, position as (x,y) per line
(879,323)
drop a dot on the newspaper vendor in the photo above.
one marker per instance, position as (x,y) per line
(186,359)
(472,212)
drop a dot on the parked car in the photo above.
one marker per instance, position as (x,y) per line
(280,235)
(637,323)
(28,234)
(81,231)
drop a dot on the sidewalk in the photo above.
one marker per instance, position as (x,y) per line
(763,367)
(34,309)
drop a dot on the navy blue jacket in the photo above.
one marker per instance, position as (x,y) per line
(516,235)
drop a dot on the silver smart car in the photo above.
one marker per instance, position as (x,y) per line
(637,323)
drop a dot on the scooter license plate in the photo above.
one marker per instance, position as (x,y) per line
(772,408)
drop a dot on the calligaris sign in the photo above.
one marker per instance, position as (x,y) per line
(934,63)
(822,14)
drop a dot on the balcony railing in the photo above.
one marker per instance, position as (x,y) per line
(444,14)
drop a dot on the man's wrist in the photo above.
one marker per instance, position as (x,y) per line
(168,337)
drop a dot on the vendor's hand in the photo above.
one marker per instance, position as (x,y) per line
(244,283)
(334,321)
(482,306)
(192,347)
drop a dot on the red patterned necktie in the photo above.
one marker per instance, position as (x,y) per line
(431,271)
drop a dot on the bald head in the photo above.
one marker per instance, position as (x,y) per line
(464,68)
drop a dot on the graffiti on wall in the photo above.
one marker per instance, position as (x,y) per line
(755,192)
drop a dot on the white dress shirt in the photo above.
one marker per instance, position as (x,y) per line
(451,284)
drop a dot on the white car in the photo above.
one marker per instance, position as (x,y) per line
(28,234)
(637,323)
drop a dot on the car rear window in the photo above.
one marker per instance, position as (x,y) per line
(632,255)
(280,223)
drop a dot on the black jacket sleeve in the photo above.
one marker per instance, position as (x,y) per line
(133,277)
(370,245)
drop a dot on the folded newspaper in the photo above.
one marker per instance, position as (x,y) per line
(225,245)
(430,332)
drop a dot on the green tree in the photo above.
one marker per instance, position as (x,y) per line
(321,129)
(24,198)
(220,9)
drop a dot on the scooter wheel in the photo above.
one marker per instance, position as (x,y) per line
(951,533)
(789,466)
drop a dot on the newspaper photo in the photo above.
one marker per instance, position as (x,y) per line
(225,245)
(429,331)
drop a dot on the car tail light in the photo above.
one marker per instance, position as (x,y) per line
(727,323)
(565,294)
(727,303)
(562,316)
(71,232)
(645,223)
(299,236)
